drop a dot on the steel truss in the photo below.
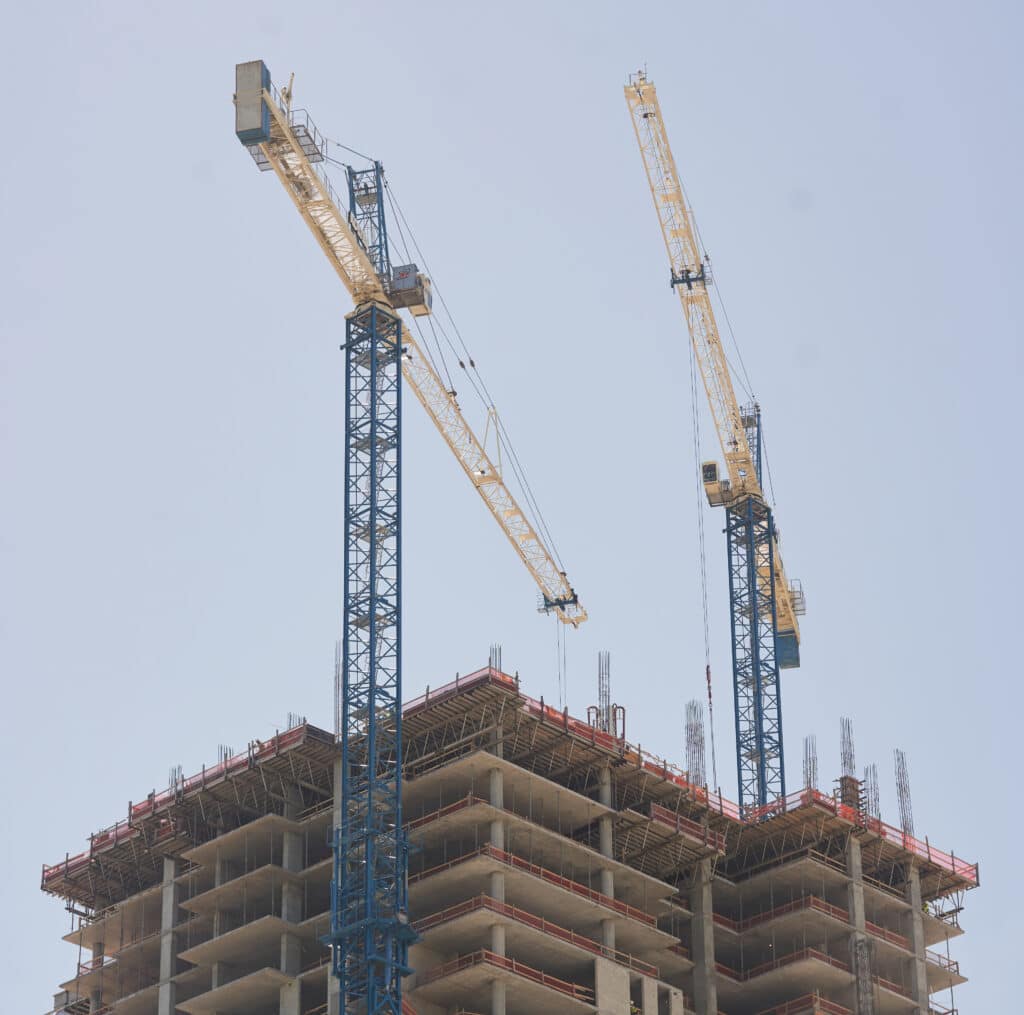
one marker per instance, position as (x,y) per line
(370,932)
(759,760)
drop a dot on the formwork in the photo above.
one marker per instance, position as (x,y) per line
(555,867)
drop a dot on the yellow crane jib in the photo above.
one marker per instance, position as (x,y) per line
(690,277)
(284,140)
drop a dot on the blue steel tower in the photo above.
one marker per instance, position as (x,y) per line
(370,928)
(750,536)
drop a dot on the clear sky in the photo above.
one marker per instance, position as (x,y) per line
(170,529)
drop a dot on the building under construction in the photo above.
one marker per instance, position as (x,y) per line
(554,868)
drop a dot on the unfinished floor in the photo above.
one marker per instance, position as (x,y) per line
(556,868)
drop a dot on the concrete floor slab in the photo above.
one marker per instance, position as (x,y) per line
(470,989)
(257,991)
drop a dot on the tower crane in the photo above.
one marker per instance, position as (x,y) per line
(370,930)
(764,605)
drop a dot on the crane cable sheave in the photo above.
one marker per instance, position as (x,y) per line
(690,277)
(284,140)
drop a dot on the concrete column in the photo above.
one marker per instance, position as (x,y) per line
(291,954)
(606,847)
(333,992)
(649,996)
(96,995)
(498,886)
(918,967)
(170,899)
(860,945)
(702,933)
(497,997)
(291,892)
(291,999)
(220,973)
(496,796)
(676,1003)
(497,799)
(223,871)
(611,987)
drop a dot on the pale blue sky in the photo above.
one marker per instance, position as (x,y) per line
(172,390)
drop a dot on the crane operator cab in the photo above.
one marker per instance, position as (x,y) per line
(719,491)
(410,289)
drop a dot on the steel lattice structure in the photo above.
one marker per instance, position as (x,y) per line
(763,605)
(755,672)
(369,915)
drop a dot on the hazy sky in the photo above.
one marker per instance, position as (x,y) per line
(171,413)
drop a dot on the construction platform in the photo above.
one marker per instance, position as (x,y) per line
(555,868)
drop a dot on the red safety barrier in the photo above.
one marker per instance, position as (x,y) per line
(513,966)
(124,830)
(804,902)
(808,1003)
(785,960)
(537,923)
(685,826)
(518,863)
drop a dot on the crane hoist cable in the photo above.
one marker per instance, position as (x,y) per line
(475,378)
(695,415)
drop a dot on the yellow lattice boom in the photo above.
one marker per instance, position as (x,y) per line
(286,151)
(690,278)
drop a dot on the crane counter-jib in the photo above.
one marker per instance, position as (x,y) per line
(285,141)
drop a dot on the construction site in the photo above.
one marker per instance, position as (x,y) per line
(476,850)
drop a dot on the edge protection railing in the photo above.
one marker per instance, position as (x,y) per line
(809,1003)
(484,901)
(484,955)
(518,863)
(942,961)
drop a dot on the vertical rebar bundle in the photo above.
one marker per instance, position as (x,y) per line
(604,691)
(175,775)
(695,753)
(810,762)
(872,802)
(849,784)
(849,762)
(494,659)
(903,793)
(295,719)
(224,753)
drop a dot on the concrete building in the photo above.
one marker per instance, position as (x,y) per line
(556,868)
